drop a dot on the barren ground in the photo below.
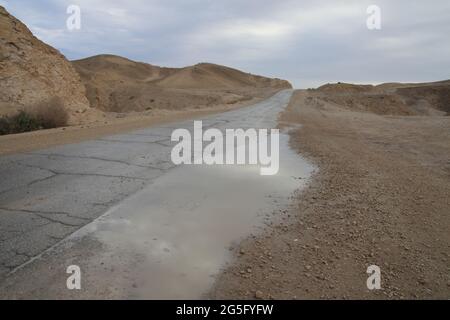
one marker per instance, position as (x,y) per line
(380,197)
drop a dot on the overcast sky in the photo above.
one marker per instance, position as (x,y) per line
(306,42)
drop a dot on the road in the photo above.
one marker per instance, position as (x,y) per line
(62,205)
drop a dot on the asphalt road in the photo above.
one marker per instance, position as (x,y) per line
(47,195)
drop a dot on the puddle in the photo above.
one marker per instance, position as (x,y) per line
(170,240)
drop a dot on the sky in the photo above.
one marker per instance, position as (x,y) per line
(309,43)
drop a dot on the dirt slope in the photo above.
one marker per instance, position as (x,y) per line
(33,72)
(380,197)
(117,84)
(390,98)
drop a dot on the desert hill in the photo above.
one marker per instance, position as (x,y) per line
(38,84)
(118,84)
(113,67)
(213,76)
(431,98)
(33,72)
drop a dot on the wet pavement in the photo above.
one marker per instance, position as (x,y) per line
(138,226)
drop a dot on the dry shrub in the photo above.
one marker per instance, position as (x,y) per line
(20,122)
(51,114)
(45,115)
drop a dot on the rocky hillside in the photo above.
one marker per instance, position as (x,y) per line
(33,72)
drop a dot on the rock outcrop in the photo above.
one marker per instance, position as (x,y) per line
(32,72)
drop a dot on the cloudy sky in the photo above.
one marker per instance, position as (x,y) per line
(306,42)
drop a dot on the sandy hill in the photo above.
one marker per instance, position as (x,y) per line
(342,88)
(213,76)
(118,84)
(33,73)
(111,67)
(431,98)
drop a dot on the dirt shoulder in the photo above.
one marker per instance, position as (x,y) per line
(110,123)
(380,197)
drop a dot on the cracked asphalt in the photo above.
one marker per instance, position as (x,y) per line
(46,195)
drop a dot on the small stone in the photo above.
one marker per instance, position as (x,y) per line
(422,282)
(259,294)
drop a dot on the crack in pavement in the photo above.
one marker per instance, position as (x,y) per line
(102,175)
(126,141)
(67,224)
(161,143)
(50,155)
(28,184)
(40,212)
(148,135)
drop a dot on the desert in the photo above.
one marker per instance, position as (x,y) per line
(125,172)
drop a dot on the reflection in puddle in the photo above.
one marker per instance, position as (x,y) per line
(170,239)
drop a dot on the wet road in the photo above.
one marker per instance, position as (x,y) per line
(138,226)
